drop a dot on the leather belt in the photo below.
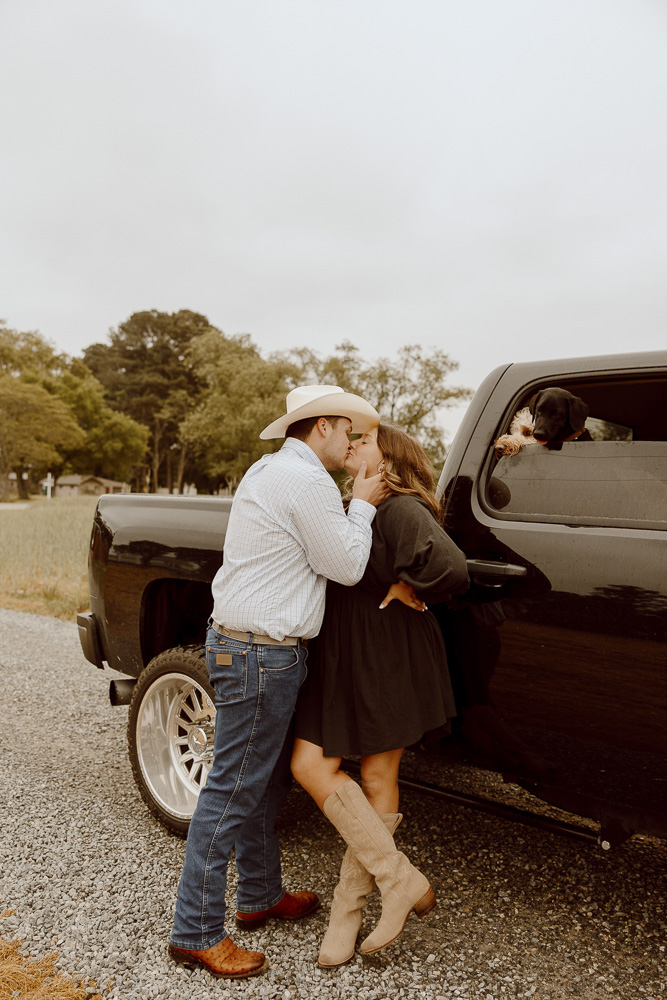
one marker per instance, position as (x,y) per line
(253,637)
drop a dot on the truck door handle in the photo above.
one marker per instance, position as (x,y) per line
(495,570)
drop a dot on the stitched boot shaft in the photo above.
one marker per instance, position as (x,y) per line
(402,886)
(349,899)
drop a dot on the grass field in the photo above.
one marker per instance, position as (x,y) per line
(43,555)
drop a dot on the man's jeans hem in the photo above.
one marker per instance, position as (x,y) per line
(189,946)
(259,909)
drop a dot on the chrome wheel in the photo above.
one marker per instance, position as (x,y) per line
(172,728)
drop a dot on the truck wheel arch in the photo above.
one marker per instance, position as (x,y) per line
(174,613)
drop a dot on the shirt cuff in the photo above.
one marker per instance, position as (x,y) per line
(367,510)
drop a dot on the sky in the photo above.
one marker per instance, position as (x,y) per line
(486,178)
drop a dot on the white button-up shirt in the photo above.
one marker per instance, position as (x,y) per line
(288,533)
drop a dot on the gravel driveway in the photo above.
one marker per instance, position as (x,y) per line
(521,912)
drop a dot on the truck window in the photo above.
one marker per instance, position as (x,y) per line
(617,478)
(607,430)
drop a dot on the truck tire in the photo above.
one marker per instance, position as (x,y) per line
(170,734)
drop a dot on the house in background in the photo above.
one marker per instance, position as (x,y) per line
(78,486)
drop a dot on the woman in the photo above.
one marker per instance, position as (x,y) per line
(378,682)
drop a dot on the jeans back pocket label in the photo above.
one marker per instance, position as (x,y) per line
(223,659)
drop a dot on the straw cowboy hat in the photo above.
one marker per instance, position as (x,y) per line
(323,401)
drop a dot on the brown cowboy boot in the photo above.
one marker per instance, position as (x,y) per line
(292,906)
(224,960)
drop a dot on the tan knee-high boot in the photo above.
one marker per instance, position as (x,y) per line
(349,899)
(402,886)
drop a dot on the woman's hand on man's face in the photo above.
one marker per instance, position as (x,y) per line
(405,594)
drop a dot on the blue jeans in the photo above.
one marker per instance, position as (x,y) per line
(255,693)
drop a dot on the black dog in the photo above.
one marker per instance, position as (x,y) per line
(558,416)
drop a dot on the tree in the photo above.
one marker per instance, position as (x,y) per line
(147,376)
(242,394)
(409,391)
(114,443)
(113,447)
(111,444)
(27,354)
(34,425)
(204,396)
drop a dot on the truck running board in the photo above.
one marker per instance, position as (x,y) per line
(605,839)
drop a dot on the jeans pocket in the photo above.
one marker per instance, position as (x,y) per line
(228,672)
(273,659)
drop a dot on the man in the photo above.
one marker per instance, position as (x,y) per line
(287,534)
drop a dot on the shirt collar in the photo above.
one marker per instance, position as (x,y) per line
(303,450)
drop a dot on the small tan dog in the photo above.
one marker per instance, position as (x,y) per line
(521,433)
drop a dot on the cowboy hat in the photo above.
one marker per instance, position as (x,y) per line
(323,401)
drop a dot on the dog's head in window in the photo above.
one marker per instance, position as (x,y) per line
(558,416)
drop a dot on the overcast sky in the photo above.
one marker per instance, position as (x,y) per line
(489,178)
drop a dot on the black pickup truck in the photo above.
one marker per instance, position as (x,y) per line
(558,652)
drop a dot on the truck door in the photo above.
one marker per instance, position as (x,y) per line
(561,673)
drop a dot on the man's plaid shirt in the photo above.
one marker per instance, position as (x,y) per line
(288,534)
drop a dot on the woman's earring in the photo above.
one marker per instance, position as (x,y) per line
(381,467)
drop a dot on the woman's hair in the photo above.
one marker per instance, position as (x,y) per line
(407,468)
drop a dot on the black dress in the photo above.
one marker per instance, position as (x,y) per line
(378,680)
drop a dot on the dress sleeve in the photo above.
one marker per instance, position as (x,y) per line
(423,553)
